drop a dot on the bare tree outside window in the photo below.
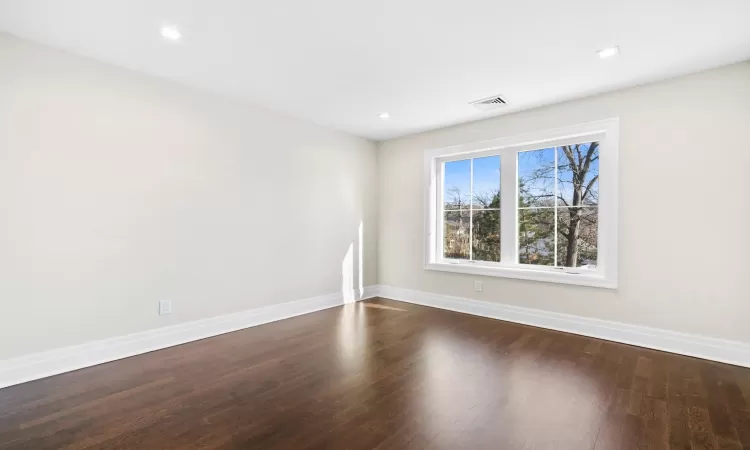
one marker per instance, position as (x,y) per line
(472,209)
(558,205)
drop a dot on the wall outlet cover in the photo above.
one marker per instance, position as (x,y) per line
(478,286)
(165,307)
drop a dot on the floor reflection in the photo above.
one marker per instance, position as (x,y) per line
(377,306)
(475,391)
(352,337)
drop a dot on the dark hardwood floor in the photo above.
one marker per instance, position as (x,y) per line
(386,375)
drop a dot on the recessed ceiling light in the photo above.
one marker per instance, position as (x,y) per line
(608,52)
(171,33)
(384,115)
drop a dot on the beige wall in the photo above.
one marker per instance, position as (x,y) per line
(118,190)
(684,207)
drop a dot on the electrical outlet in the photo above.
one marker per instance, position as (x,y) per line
(478,286)
(165,307)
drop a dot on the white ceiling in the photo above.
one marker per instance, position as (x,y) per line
(339,63)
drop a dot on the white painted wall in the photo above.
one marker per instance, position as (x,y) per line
(684,207)
(118,190)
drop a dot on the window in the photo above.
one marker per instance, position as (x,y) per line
(471,192)
(538,207)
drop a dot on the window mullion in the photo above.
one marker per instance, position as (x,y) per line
(440,216)
(554,236)
(509,207)
(471,209)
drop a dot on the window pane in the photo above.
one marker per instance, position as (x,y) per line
(536,178)
(536,229)
(486,235)
(487,182)
(578,174)
(457,184)
(577,230)
(456,235)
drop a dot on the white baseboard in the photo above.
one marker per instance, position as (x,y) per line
(40,365)
(731,352)
(370,292)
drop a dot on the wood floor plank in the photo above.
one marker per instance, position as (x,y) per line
(387,375)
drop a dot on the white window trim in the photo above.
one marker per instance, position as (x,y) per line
(604,276)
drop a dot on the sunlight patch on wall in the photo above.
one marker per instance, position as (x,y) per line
(360,261)
(347,275)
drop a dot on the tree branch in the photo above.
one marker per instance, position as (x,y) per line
(569,154)
(588,187)
(589,155)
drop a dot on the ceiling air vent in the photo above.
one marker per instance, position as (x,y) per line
(490,103)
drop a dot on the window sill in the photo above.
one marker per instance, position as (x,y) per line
(519,273)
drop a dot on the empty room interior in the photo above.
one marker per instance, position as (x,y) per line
(392,224)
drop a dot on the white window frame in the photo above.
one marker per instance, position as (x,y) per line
(606,132)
